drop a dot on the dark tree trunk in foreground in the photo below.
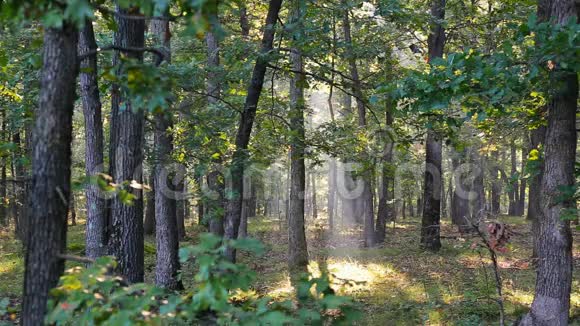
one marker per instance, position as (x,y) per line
(366,200)
(51,170)
(297,247)
(385,210)
(149,224)
(234,204)
(430,230)
(96,225)
(126,241)
(551,305)
(166,235)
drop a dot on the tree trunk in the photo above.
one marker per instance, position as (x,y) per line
(51,171)
(522,199)
(126,241)
(96,225)
(430,237)
(385,210)
(460,202)
(3,170)
(166,233)
(366,200)
(313,192)
(551,305)
(514,186)
(234,205)
(495,185)
(149,224)
(331,207)
(297,247)
(215,204)
(20,189)
(72,210)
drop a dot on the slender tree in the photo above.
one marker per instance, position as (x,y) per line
(234,204)
(96,225)
(297,247)
(366,199)
(430,230)
(385,210)
(51,171)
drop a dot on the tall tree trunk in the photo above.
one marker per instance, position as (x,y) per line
(478,203)
(96,225)
(297,248)
(551,305)
(386,195)
(215,205)
(366,200)
(234,205)
(430,230)
(51,171)
(149,224)
(126,241)
(72,210)
(166,233)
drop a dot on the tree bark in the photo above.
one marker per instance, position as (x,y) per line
(234,204)
(331,207)
(514,186)
(96,225)
(523,183)
(51,171)
(430,230)
(126,241)
(385,210)
(553,238)
(297,247)
(215,204)
(149,224)
(495,185)
(166,233)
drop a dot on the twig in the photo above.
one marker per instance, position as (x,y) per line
(158,52)
(79,259)
(498,283)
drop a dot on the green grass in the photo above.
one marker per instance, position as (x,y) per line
(396,284)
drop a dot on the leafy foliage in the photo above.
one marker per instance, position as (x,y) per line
(94,296)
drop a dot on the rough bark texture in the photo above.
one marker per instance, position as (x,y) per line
(386,196)
(430,237)
(297,248)
(234,203)
(551,305)
(366,200)
(51,170)
(149,224)
(166,235)
(126,240)
(96,225)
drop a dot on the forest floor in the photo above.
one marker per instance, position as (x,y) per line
(396,284)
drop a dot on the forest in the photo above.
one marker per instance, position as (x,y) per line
(289,162)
